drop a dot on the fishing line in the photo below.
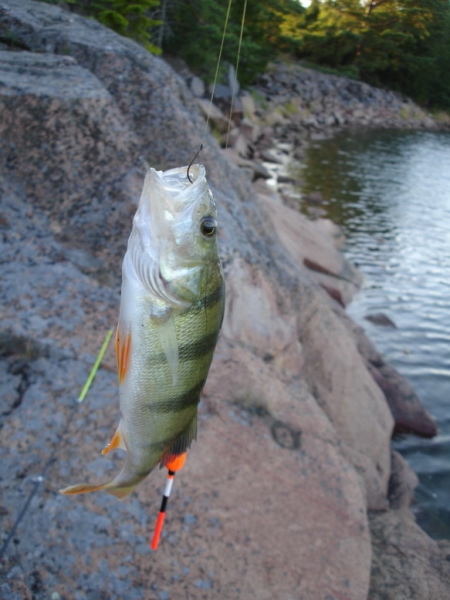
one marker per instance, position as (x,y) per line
(233,91)
(219,58)
(40,478)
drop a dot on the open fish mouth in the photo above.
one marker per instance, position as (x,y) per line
(176,181)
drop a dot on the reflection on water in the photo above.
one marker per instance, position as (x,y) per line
(390,191)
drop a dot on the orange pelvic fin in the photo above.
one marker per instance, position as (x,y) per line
(84,488)
(123,345)
(117,441)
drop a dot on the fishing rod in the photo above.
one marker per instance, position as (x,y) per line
(40,478)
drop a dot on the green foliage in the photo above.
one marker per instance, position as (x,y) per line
(344,71)
(130,19)
(196,30)
(401,44)
(428,79)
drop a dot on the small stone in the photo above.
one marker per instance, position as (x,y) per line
(229,138)
(381,319)
(316,212)
(248,129)
(270,156)
(248,104)
(313,198)
(216,116)
(197,87)
(241,146)
(204,584)
(289,179)
(232,81)
(259,171)
(220,91)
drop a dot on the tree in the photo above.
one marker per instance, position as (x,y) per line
(397,43)
(131,19)
(197,29)
(400,44)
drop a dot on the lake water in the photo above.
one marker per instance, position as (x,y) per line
(390,191)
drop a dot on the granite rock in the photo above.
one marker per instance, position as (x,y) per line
(293,431)
(406,562)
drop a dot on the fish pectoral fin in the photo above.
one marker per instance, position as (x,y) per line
(117,441)
(181,444)
(123,345)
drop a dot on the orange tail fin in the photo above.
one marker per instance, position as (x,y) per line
(84,488)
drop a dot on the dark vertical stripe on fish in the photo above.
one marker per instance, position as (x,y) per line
(179,403)
(199,348)
(191,351)
(211,299)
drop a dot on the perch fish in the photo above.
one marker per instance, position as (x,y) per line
(171,312)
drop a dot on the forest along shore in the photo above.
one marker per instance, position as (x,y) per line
(292,489)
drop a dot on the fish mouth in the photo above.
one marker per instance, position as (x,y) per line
(178,185)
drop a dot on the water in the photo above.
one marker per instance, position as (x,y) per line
(390,191)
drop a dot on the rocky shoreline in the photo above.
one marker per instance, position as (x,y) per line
(292,490)
(266,129)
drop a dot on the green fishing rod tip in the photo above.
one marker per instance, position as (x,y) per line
(94,369)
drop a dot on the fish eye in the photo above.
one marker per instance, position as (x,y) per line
(208,226)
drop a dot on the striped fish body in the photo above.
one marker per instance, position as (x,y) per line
(171,311)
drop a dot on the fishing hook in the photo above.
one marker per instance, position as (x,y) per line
(195,156)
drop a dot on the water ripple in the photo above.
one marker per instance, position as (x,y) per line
(390,191)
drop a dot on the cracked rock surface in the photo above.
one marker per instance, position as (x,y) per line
(293,446)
